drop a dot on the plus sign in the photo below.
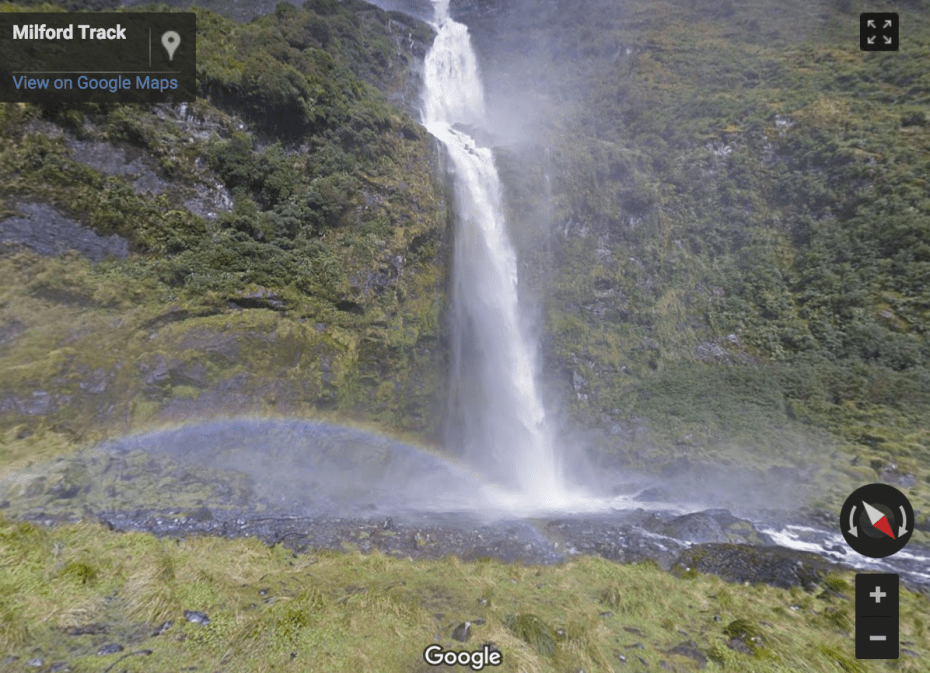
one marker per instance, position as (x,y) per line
(878,594)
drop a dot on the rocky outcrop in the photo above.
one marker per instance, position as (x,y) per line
(776,566)
(44,229)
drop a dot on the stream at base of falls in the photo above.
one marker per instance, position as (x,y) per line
(311,485)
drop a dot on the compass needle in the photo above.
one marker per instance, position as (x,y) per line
(883,526)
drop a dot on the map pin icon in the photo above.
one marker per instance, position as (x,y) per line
(170,40)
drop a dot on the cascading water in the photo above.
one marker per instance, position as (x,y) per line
(504,427)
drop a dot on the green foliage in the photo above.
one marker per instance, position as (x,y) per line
(337,222)
(612,596)
(747,632)
(838,584)
(534,631)
(744,196)
(845,662)
(79,572)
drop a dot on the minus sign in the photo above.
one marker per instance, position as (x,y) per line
(880,638)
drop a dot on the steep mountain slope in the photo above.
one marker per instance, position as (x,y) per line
(277,247)
(734,210)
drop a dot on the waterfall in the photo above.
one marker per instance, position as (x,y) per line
(504,427)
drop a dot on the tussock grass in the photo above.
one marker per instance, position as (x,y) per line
(273,610)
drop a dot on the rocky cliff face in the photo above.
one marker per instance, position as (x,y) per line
(725,243)
(721,226)
(175,262)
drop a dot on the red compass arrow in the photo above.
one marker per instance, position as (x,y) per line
(879,520)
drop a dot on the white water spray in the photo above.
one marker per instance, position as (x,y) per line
(505,430)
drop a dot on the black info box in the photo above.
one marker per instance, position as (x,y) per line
(84,57)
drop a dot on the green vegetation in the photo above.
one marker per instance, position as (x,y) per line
(740,277)
(319,292)
(740,256)
(67,591)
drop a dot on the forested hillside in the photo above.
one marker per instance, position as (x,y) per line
(277,247)
(722,216)
(738,219)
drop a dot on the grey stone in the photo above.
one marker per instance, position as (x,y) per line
(462,632)
(690,649)
(10,330)
(579,383)
(776,566)
(196,617)
(95,382)
(48,232)
(163,628)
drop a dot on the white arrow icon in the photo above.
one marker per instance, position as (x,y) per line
(853,529)
(887,40)
(903,529)
(870,23)
(871,40)
(887,23)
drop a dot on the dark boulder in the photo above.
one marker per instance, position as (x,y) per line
(712,525)
(776,566)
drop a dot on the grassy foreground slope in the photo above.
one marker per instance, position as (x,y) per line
(68,592)
(285,240)
(738,248)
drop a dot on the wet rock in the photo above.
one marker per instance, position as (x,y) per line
(690,649)
(776,566)
(215,343)
(188,374)
(711,352)
(739,645)
(892,475)
(259,298)
(40,403)
(126,162)
(48,232)
(155,371)
(95,382)
(462,632)
(714,525)
(579,383)
(163,628)
(110,648)
(10,330)
(653,494)
(196,617)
